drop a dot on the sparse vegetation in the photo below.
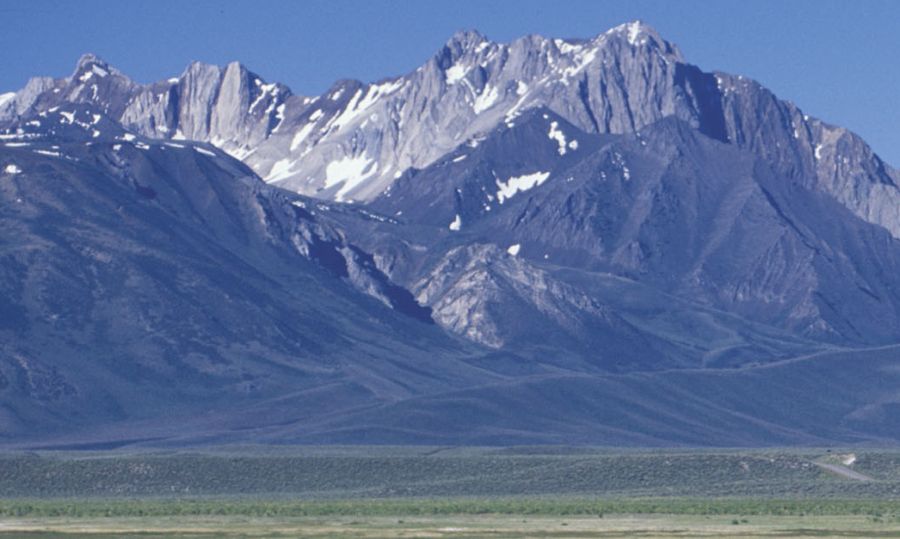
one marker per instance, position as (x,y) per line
(411,507)
(381,473)
(509,492)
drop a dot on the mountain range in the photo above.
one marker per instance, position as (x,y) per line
(546,241)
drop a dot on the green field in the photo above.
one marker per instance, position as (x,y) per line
(451,492)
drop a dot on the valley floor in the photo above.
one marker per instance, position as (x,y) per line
(456,526)
(375,492)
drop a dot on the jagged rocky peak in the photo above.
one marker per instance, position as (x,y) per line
(91,69)
(640,34)
(348,145)
(468,50)
(355,140)
(91,63)
(243,92)
(459,44)
(237,76)
(18,103)
(341,92)
(230,107)
(88,83)
(233,80)
(201,71)
(464,50)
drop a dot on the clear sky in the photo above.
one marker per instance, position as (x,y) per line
(838,60)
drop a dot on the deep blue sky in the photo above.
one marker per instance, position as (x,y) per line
(838,60)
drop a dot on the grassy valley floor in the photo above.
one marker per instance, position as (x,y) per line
(450,492)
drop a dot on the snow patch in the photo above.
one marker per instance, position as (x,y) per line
(581,60)
(456,224)
(377,217)
(456,73)
(7,97)
(818,151)
(513,249)
(619,161)
(354,109)
(265,91)
(301,135)
(388,87)
(517,184)
(279,115)
(567,48)
(559,137)
(373,94)
(486,100)
(68,117)
(349,171)
(204,151)
(634,32)
(280,170)
(12,169)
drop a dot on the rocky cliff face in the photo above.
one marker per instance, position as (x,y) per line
(354,141)
(229,107)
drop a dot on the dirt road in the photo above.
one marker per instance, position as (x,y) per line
(843,471)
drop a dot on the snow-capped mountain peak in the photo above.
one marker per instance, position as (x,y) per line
(90,64)
(352,142)
(467,88)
